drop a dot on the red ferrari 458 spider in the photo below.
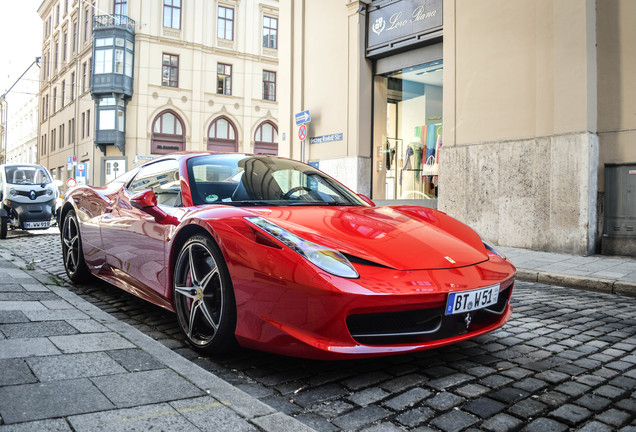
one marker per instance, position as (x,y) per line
(276,255)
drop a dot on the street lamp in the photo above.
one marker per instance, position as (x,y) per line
(4,112)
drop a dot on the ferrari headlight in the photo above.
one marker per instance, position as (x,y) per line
(492,249)
(328,259)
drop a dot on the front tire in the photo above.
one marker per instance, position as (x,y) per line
(204,297)
(72,251)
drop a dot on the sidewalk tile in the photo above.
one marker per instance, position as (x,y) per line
(280,423)
(57,425)
(72,366)
(34,287)
(87,326)
(15,348)
(208,414)
(11,288)
(21,305)
(37,329)
(135,360)
(12,316)
(57,304)
(54,315)
(90,342)
(15,371)
(144,418)
(140,388)
(49,400)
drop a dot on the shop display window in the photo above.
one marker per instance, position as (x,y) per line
(407,150)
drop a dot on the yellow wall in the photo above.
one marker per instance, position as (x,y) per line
(522,69)
(323,69)
(520,155)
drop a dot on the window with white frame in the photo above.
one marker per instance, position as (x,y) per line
(225,23)
(172,14)
(270,32)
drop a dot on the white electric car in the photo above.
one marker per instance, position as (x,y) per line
(28,197)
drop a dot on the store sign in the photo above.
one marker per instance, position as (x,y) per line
(401,24)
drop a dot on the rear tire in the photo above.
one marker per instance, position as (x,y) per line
(4,227)
(72,251)
(204,297)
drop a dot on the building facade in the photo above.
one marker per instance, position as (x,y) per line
(19,118)
(514,117)
(124,82)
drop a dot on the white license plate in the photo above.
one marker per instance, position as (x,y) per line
(42,224)
(467,301)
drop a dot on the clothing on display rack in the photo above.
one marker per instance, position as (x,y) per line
(407,160)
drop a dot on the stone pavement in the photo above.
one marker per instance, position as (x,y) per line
(66,365)
(608,274)
(565,361)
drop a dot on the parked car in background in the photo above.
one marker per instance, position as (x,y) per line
(276,255)
(27,197)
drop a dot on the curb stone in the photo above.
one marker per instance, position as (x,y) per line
(607,286)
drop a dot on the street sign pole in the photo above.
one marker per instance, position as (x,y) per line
(302,151)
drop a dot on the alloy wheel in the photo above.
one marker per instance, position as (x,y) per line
(199,293)
(70,238)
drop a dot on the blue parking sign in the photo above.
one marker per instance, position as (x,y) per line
(80,173)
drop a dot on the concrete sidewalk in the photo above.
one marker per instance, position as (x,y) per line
(608,274)
(66,364)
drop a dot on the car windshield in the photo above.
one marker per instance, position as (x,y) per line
(249,180)
(26,175)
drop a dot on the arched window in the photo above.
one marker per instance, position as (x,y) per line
(222,136)
(266,139)
(168,133)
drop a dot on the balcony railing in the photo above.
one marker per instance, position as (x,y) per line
(108,21)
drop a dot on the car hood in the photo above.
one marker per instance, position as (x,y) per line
(398,237)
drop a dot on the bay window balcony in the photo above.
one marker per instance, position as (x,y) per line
(112,77)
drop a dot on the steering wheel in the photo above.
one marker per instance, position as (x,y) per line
(293,190)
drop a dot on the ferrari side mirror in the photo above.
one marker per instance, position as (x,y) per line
(146,201)
(366,199)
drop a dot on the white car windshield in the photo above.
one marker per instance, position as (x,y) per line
(26,175)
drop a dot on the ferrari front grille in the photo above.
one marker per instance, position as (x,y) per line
(421,325)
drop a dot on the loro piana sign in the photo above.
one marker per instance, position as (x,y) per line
(402,24)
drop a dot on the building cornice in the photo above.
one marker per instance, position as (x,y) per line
(179,44)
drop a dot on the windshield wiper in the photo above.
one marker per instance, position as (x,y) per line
(277,203)
(320,204)
(249,203)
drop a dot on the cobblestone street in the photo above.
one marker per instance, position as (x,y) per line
(565,361)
